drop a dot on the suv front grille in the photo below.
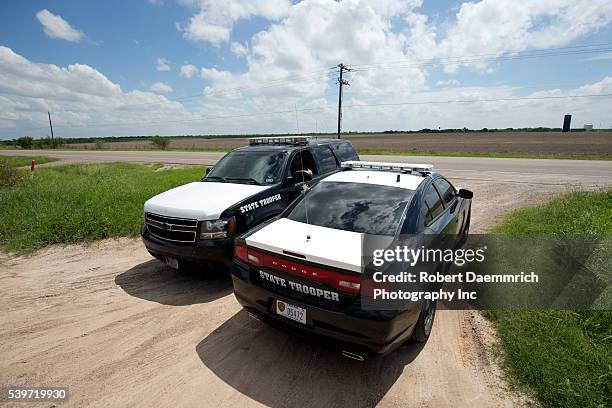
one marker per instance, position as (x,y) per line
(172,229)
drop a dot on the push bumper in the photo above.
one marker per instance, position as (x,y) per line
(203,252)
(355,330)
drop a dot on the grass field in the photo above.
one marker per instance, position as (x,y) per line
(564,357)
(520,155)
(20,161)
(546,145)
(76,203)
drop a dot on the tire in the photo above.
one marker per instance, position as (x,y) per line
(466,227)
(423,326)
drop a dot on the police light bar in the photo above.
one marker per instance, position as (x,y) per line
(295,140)
(383,166)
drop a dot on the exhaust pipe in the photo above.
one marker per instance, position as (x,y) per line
(353,356)
(254,316)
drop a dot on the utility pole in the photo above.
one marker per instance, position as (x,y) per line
(50,125)
(341,82)
(297,123)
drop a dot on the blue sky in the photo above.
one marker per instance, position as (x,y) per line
(212,67)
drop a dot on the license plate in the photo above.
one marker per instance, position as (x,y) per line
(173,263)
(291,312)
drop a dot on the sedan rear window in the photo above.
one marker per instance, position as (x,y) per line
(357,207)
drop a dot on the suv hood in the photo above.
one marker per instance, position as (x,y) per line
(200,200)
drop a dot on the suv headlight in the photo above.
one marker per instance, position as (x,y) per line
(221,228)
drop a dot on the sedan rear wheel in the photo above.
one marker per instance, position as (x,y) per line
(423,327)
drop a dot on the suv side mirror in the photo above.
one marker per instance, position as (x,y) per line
(207,170)
(467,194)
(300,176)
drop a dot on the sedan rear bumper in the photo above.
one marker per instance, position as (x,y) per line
(355,330)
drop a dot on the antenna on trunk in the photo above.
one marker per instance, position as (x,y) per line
(305,194)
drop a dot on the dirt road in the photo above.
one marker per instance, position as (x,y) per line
(121,329)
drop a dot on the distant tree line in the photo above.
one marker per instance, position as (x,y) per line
(27,142)
(162,142)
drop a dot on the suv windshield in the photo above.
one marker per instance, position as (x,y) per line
(249,168)
(357,207)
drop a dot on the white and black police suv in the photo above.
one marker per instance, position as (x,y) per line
(302,272)
(196,223)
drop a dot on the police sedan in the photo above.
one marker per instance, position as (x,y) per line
(303,271)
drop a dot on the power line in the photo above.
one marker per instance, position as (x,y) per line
(480,100)
(489,56)
(390,104)
(265,85)
(313,75)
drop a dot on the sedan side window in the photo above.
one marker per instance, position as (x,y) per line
(433,203)
(325,159)
(446,190)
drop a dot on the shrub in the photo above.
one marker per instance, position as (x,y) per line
(9,176)
(25,142)
(99,144)
(160,141)
(49,143)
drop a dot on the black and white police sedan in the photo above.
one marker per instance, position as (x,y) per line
(302,271)
(196,223)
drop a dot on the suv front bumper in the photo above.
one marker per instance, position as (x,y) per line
(203,252)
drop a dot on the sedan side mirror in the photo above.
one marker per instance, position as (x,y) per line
(466,194)
(301,176)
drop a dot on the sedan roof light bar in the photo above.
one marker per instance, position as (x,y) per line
(384,166)
(290,140)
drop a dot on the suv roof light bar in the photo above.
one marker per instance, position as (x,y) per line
(383,166)
(293,140)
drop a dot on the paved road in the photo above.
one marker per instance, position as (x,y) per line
(530,171)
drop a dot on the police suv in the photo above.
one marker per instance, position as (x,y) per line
(302,271)
(197,222)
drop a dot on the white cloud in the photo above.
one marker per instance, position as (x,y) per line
(161,87)
(289,62)
(600,57)
(82,100)
(497,27)
(222,84)
(215,75)
(447,82)
(162,64)
(188,70)
(56,27)
(238,49)
(299,48)
(215,18)
(296,52)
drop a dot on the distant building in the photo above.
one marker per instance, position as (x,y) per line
(567,121)
(588,127)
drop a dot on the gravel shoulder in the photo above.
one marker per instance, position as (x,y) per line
(121,329)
